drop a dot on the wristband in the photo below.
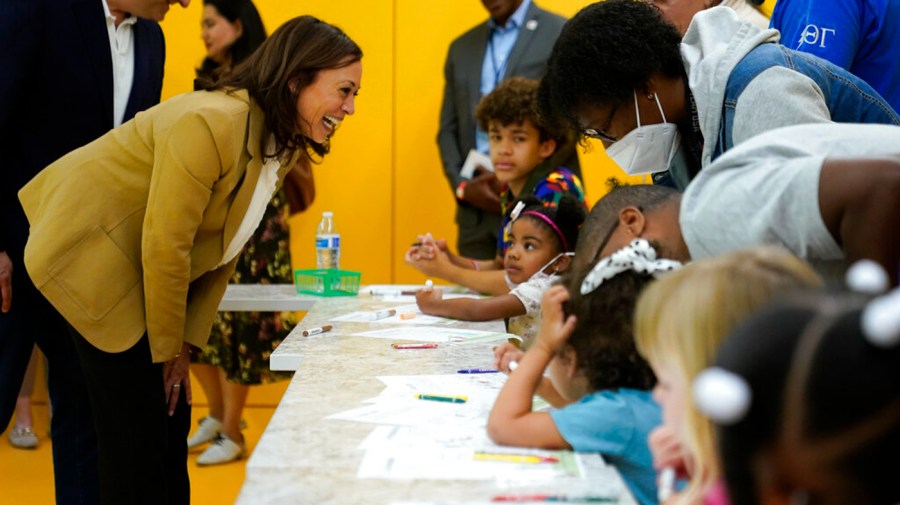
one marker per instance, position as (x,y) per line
(461,191)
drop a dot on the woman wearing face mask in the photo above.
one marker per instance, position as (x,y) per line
(134,236)
(619,72)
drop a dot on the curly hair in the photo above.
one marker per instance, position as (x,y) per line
(603,54)
(603,339)
(567,214)
(512,102)
(282,67)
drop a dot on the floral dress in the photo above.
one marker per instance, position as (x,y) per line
(240,342)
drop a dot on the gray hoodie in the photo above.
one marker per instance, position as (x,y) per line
(713,45)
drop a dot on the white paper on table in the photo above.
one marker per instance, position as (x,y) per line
(426,437)
(459,464)
(414,412)
(437,334)
(474,159)
(417,318)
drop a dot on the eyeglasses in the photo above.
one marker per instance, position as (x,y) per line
(601,134)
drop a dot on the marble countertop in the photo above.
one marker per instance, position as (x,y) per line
(265,298)
(289,355)
(304,458)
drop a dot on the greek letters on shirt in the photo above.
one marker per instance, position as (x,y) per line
(815,36)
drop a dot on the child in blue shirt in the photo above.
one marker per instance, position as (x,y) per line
(587,344)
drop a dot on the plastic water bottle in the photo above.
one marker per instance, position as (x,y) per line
(328,243)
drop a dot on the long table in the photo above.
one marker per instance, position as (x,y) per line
(303,458)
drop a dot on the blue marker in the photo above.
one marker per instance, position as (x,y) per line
(477,370)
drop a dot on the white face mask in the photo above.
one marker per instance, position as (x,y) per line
(648,148)
(539,275)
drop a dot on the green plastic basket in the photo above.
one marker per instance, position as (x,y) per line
(327,282)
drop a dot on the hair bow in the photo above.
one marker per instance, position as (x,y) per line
(638,256)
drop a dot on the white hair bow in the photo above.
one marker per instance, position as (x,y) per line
(638,256)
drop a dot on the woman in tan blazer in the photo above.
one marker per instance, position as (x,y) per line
(134,237)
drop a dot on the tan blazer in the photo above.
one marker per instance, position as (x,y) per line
(127,233)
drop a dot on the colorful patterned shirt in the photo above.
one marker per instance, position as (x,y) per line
(548,186)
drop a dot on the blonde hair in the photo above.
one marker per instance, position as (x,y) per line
(682,319)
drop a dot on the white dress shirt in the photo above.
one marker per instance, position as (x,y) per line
(121,49)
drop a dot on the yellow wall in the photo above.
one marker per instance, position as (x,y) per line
(383,179)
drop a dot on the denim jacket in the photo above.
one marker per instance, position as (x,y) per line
(849,99)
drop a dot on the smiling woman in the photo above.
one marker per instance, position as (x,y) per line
(192,177)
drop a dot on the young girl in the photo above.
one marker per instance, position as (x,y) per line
(679,323)
(542,239)
(586,342)
(820,418)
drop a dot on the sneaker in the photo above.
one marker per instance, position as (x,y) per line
(224,450)
(206,432)
(23,437)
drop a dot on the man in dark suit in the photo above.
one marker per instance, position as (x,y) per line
(59,90)
(515,41)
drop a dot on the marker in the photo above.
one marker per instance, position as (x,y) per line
(316,331)
(381,314)
(514,458)
(440,398)
(416,244)
(428,287)
(430,345)
(477,370)
(666,484)
(408,315)
(554,499)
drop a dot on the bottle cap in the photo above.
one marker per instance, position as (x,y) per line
(328,213)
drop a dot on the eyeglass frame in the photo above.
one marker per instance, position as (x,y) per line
(601,134)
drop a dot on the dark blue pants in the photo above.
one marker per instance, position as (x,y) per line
(31,320)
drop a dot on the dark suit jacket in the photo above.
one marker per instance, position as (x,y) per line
(462,74)
(56,93)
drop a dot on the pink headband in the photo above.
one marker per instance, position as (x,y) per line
(552,225)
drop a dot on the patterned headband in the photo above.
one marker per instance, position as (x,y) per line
(549,221)
(638,256)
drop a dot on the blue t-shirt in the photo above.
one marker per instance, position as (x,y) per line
(616,424)
(862,36)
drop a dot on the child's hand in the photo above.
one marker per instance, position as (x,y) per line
(504,354)
(428,299)
(667,451)
(555,326)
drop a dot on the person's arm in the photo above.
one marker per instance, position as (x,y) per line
(860,204)
(506,353)
(21,37)
(511,421)
(491,282)
(799,100)
(186,163)
(468,309)
(448,143)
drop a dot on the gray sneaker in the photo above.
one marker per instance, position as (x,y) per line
(206,432)
(223,450)
(23,437)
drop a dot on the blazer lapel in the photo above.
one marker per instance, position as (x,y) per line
(255,130)
(523,41)
(92,23)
